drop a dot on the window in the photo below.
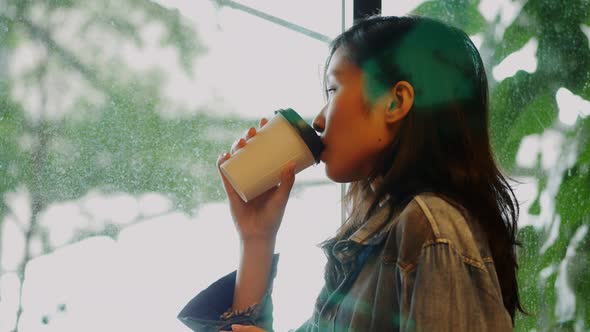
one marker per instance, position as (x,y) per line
(113,114)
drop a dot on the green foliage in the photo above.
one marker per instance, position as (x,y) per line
(515,36)
(8,36)
(528,278)
(529,100)
(125,145)
(460,13)
(121,144)
(114,21)
(512,107)
(12,158)
(176,35)
(57,4)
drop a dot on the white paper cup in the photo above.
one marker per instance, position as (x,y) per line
(257,167)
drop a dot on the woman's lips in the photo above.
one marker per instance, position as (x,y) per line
(323,151)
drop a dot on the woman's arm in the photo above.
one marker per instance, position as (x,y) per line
(210,310)
(257,223)
(253,273)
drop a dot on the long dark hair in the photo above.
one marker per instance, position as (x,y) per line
(443,143)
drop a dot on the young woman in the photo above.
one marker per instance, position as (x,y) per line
(429,243)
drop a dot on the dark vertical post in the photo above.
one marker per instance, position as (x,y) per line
(364,8)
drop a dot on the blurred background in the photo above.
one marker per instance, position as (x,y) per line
(112,114)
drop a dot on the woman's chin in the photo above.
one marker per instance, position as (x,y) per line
(336,176)
(329,172)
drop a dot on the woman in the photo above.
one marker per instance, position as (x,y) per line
(429,244)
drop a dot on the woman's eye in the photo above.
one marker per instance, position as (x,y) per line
(330,91)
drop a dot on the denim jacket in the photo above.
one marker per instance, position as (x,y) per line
(428,268)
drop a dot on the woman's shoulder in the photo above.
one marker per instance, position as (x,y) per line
(431,219)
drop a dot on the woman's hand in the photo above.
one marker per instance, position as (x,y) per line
(260,218)
(245,328)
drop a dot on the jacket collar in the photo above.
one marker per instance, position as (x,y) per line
(373,231)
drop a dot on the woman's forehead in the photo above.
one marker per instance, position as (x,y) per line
(340,64)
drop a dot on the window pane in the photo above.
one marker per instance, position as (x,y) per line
(538,64)
(112,115)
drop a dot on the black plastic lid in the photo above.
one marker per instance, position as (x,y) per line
(306,132)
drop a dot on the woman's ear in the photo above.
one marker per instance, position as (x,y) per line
(401,100)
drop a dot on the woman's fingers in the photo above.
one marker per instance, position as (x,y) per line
(238,145)
(250,133)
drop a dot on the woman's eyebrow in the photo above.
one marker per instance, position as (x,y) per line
(335,73)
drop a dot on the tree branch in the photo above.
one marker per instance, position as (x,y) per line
(138,220)
(36,32)
(37,201)
(18,223)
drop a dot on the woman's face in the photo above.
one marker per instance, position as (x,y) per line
(354,132)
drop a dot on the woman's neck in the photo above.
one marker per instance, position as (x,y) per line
(375,186)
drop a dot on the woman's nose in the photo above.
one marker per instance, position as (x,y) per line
(319,121)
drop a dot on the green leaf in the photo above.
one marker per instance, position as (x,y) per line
(178,32)
(58,4)
(578,268)
(572,201)
(459,13)
(12,158)
(579,84)
(515,37)
(583,141)
(528,277)
(563,56)
(120,25)
(539,114)
(516,112)
(535,208)
(8,33)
